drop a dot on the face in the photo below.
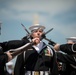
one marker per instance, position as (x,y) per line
(37,33)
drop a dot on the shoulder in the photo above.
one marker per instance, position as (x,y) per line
(74,48)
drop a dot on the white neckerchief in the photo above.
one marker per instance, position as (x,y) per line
(10,71)
(38,47)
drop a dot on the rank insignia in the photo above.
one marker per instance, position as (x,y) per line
(48,52)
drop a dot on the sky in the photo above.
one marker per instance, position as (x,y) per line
(57,14)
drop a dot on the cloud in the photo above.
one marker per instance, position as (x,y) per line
(20,8)
(58,14)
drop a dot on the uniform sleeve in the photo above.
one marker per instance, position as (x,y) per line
(68,48)
(3,59)
(65,58)
(13,44)
(54,64)
(74,48)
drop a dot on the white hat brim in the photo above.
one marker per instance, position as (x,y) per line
(71,38)
(36,27)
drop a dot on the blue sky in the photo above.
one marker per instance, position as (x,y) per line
(57,14)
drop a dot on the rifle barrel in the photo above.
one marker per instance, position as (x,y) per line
(25,28)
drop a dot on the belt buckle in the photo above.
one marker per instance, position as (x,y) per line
(36,73)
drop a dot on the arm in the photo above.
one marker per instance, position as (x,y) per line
(67,48)
(13,44)
(4,58)
(9,56)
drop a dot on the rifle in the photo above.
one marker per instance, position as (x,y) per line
(28,33)
(17,51)
(43,36)
(25,28)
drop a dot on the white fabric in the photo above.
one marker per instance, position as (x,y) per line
(37,73)
(38,47)
(71,39)
(28,73)
(10,71)
(9,63)
(36,27)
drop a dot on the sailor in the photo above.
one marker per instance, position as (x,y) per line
(69,56)
(4,58)
(40,59)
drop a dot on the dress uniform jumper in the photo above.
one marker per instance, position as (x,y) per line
(35,62)
(69,58)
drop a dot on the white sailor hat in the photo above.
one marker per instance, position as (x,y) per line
(9,63)
(73,39)
(36,26)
